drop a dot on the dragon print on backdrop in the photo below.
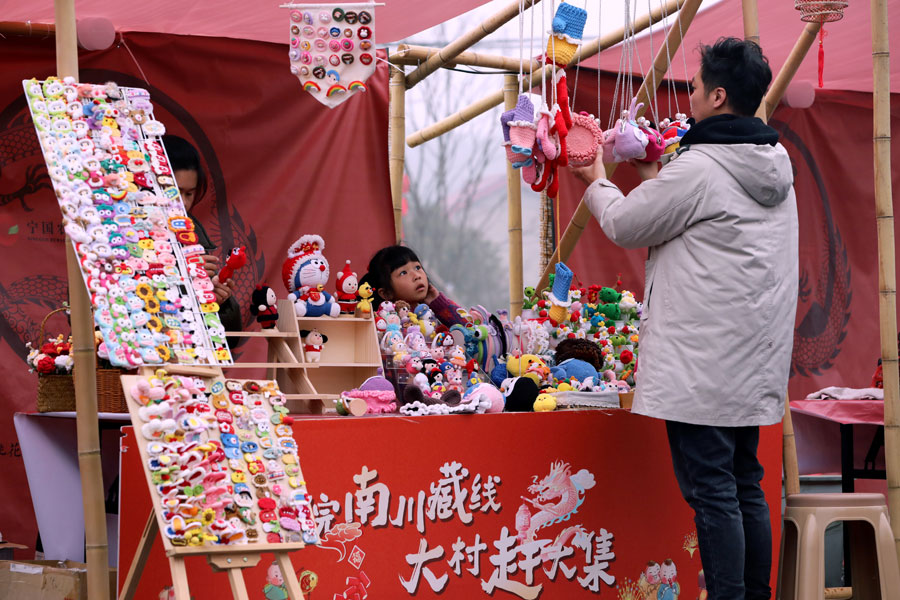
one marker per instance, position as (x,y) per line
(823,307)
(29,215)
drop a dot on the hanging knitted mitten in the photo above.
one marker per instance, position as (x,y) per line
(562,96)
(522,128)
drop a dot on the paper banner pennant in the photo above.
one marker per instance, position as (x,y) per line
(332,48)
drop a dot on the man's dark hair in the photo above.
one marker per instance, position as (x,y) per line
(740,67)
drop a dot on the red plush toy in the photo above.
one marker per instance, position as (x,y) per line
(235,260)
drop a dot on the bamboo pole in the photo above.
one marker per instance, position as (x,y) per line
(789,452)
(661,62)
(788,70)
(454,48)
(887,274)
(28,29)
(514,210)
(750,12)
(85,369)
(398,150)
(413,55)
(494,99)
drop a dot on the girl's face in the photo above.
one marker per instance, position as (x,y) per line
(408,282)
(187,185)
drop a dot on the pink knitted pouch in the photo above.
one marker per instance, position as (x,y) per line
(583,140)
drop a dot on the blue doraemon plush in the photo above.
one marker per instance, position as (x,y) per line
(305,274)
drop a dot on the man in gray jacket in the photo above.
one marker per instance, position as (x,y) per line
(720,220)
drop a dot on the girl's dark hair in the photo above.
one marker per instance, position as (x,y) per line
(184,157)
(740,67)
(382,265)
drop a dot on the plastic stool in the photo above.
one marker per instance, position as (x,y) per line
(873,556)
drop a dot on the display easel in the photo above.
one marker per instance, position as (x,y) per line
(228,558)
(350,357)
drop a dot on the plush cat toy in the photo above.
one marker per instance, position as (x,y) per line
(305,273)
(262,306)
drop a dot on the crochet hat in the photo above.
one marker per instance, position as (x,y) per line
(567,28)
(522,128)
(583,140)
(301,251)
(561,283)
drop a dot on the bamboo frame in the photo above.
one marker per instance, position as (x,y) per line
(84,354)
(407,54)
(494,99)
(471,37)
(750,12)
(654,76)
(788,70)
(27,29)
(789,452)
(887,274)
(398,150)
(514,211)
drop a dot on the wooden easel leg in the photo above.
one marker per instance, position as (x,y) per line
(290,577)
(140,557)
(179,578)
(238,588)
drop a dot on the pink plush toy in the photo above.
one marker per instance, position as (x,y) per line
(378,393)
(631,142)
(655,143)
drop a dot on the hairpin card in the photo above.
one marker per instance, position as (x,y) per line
(221,461)
(137,249)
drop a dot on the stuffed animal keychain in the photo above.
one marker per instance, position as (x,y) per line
(237,259)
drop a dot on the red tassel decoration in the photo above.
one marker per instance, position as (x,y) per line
(822,57)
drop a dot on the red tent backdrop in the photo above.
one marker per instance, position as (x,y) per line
(836,335)
(279,166)
(847,45)
(259,21)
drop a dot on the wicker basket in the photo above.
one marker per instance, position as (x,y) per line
(57,392)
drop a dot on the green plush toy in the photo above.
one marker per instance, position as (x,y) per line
(530,298)
(610,310)
(609,296)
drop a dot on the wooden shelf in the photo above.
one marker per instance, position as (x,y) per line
(272,365)
(333,320)
(269,333)
(367,365)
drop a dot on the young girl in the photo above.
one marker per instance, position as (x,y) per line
(395,273)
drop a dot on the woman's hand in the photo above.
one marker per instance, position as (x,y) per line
(222,291)
(211,264)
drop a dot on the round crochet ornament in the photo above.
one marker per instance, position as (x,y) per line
(583,140)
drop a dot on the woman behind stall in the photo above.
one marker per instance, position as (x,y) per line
(191,180)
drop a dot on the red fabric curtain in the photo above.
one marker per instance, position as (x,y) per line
(278,164)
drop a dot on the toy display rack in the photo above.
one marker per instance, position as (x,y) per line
(228,558)
(350,356)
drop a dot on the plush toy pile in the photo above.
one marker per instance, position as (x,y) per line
(223,460)
(567,340)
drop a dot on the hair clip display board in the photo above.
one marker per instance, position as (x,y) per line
(136,246)
(332,48)
(223,471)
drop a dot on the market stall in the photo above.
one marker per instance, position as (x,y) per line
(492,349)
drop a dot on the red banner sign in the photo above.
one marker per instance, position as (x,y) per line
(561,505)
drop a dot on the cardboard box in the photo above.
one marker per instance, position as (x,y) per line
(43,580)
